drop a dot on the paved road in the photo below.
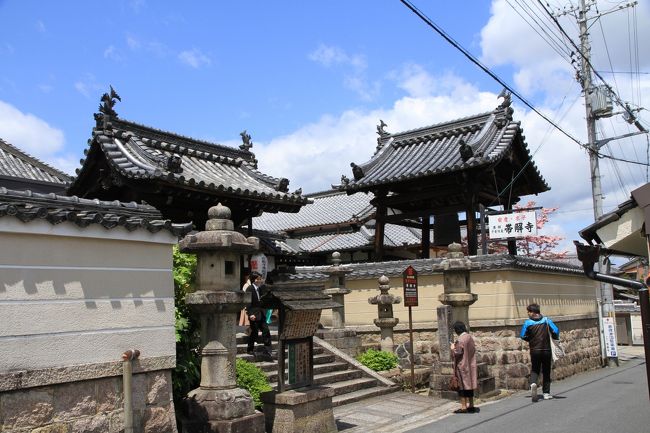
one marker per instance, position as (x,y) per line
(602,401)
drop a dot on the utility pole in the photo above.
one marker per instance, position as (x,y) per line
(591,95)
(606,303)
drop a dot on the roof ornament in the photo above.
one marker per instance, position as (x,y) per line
(173,164)
(108,102)
(357,171)
(344,183)
(298,191)
(466,151)
(283,185)
(247,143)
(382,133)
(506,104)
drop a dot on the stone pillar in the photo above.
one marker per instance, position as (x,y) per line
(386,322)
(337,289)
(457,291)
(444,332)
(218,406)
(343,339)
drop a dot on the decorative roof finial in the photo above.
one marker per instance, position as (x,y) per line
(382,133)
(246,139)
(466,151)
(357,171)
(507,98)
(108,102)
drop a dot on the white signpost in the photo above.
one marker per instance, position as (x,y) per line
(609,328)
(512,225)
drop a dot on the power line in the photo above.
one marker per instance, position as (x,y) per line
(485,69)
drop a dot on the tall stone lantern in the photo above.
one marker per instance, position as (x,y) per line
(218,405)
(456,269)
(337,289)
(386,322)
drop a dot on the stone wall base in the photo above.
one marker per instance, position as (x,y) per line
(94,405)
(247,424)
(299,411)
(505,354)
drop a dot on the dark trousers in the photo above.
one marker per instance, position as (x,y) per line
(541,360)
(256,327)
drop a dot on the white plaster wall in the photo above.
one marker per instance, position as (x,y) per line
(71,295)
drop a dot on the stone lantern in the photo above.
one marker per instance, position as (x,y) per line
(386,322)
(218,405)
(337,289)
(456,269)
(343,339)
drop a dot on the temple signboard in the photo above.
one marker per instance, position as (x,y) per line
(512,225)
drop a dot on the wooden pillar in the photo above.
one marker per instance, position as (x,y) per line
(512,243)
(426,236)
(380,222)
(472,238)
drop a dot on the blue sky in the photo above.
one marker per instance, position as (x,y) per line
(310,80)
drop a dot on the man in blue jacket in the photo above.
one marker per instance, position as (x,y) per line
(536,331)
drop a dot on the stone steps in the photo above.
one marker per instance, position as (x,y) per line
(350,383)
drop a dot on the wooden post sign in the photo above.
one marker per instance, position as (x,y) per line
(411,300)
(410,287)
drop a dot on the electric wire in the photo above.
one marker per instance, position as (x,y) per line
(485,69)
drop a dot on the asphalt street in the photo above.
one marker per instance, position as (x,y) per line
(603,401)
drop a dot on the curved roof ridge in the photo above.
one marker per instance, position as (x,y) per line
(204,145)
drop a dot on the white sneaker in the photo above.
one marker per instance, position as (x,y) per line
(547,396)
(533,392)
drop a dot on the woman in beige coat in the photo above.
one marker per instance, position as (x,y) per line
(464,353)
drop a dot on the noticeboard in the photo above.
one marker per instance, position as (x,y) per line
(410,287)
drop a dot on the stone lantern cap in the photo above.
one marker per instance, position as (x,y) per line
(219,234)
(384,298)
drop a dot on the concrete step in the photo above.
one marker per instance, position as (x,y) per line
(242,347)
(329,367)
(354,396)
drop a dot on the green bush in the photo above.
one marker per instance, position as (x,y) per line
(377,360)
(187,374)
(251,378)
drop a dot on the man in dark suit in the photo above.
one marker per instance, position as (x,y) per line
(256,315)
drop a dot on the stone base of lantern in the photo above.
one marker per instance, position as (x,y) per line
(221,411)
(300,410)
(441,375)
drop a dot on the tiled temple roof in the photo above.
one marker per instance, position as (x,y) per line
(18,165)
(141,152)
(180,176)
(472,142)
(431,266)
(334,221)
(328,208)
(28,206)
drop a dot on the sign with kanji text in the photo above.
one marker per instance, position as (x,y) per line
(512,225)
(410,287)
(609,329)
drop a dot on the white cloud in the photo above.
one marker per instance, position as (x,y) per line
(88,86)
(194,58)
(35,137)
(28,132)
(355,78)
(111,53)
(40,26)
